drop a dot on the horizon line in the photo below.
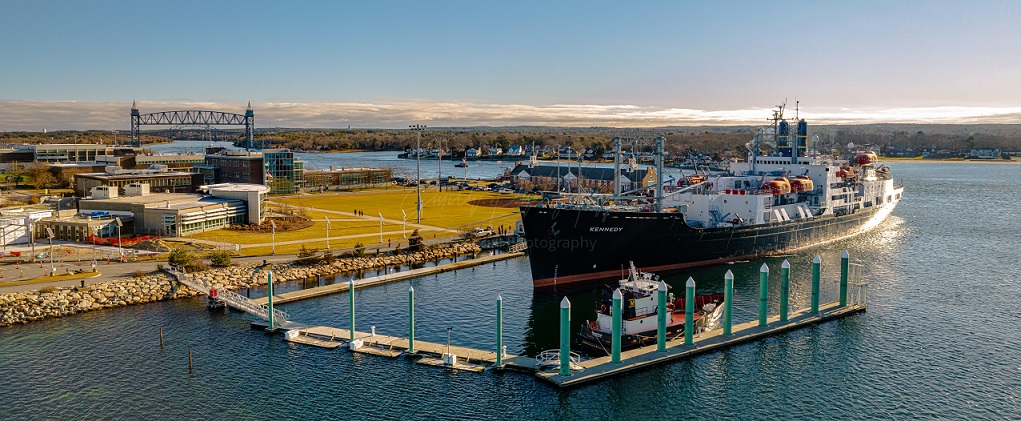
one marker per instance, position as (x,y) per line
(37,116)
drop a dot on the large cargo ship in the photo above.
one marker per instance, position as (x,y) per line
(768,204)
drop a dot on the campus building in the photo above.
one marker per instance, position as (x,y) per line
(159,178)
(65,152)
(275,168)
(178,214)
(597,179)
(346,178)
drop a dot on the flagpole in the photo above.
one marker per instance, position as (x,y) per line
(380,227)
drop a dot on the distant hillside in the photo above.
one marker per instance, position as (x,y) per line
(708,139)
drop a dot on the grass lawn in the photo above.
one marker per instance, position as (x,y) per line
(449,209)
(45,279)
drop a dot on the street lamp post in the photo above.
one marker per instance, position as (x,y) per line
(418,128)
(95,232)
(49,234)
(120,251)
(273,239)
(439,165)
(404,225)
(327,232)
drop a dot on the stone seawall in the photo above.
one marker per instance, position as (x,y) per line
(24,307)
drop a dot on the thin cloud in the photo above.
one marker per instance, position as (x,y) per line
(17,115)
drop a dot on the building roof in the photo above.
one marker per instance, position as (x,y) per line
(591,173)
(236,187)
(162,200)
(140,175)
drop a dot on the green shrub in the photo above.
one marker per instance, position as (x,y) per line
(359,250)
(180,257)
(49,289)
(139,274)
(220,259)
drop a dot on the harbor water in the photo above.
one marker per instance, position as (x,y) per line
(940,339)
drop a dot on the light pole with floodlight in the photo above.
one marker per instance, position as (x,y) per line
(418,128)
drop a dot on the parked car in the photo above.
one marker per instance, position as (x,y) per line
(480,232)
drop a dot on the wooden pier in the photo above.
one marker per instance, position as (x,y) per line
(339,287)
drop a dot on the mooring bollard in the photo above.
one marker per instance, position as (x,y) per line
(499,331)
(816,274)
(763,293)
(565,337)
(617,322)
(269,299)
(728,301)
(844,260)
(689,311)
(411,320)
(351,294)
(785,288)
(661,318)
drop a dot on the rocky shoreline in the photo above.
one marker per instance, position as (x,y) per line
(24,307)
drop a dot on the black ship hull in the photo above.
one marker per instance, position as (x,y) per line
(574,245)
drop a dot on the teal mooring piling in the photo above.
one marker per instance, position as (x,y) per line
(785,288)
(763,294)
(269,299)
(689,311)
(728,302)
(844,260)
(661,317)
(411,320)
(499,331)
(565,337)
(816,274)
(617,321)
(351,293)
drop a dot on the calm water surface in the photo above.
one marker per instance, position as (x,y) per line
(941,339)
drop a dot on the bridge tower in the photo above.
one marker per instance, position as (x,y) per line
(136,138)
(249,126)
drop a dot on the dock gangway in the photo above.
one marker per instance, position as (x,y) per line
(230,298)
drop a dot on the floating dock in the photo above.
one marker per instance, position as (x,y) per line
(586,371)
(554,366)
(394,346)
(641,358)
(339,287)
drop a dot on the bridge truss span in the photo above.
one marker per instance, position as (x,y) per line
(191,118)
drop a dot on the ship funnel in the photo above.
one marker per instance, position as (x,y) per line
(801,140)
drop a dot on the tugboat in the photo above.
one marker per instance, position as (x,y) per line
(640,292)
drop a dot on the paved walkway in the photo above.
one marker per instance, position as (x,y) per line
(115,270)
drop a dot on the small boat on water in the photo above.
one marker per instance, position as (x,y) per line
(640,292)
(462,164)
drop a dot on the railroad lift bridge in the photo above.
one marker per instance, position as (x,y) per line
(193,118)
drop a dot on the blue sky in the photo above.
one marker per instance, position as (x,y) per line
(387,64)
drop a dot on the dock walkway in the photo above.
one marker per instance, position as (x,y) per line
(339,287)
(645,357)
